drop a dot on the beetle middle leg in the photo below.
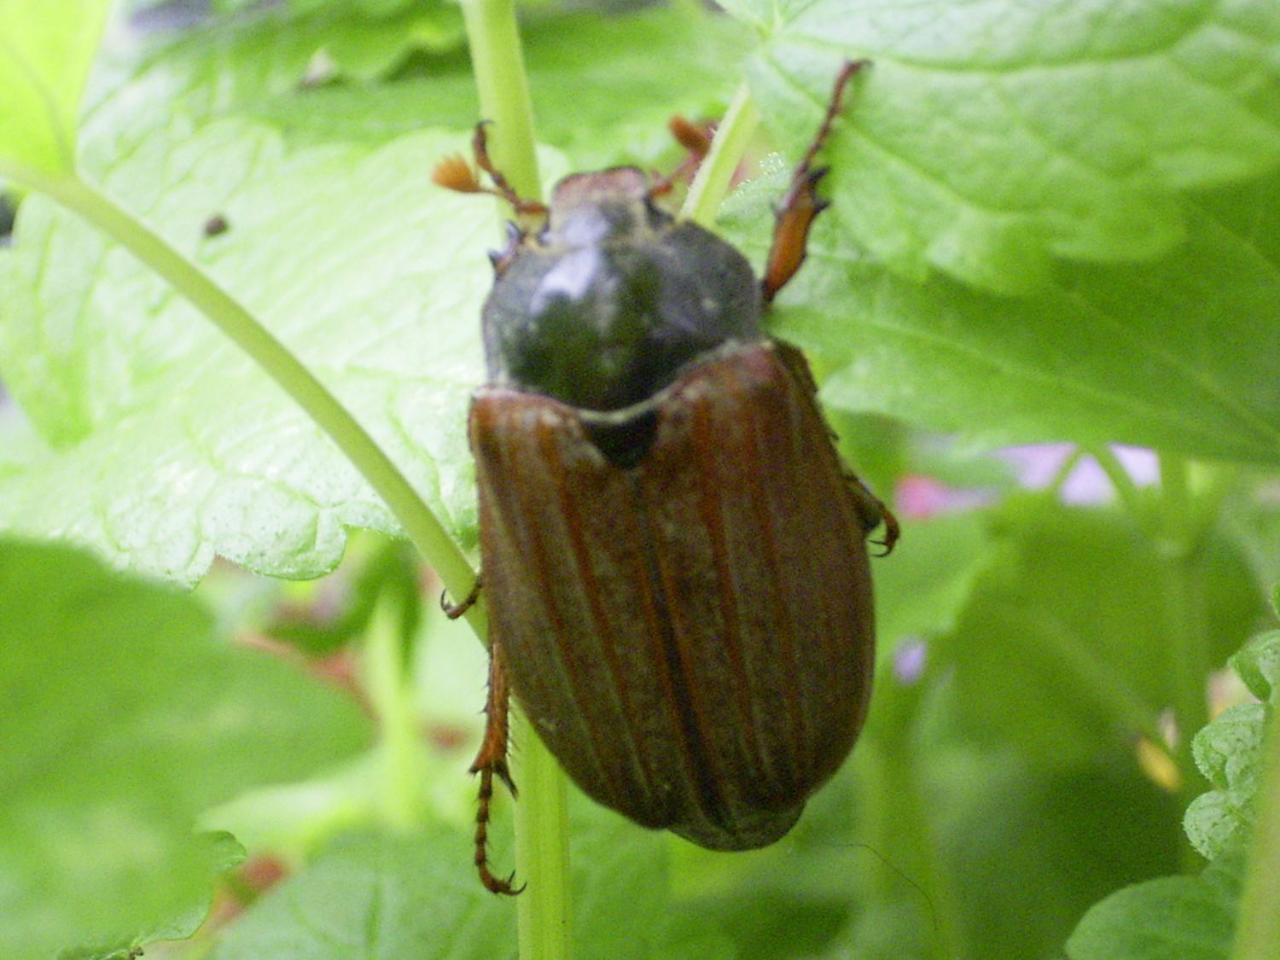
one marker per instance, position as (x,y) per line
(800,204)
(490,762)
(873,512)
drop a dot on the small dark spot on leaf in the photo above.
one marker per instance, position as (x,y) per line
(215,225)
(7,212)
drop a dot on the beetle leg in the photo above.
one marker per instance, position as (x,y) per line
(501,259)
(800,204)
(480,147)
(491,761)
(696,139)
(454,610)
(454,173)
(873,512)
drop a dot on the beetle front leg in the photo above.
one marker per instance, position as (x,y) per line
(696,140)
(801,204)
(480,147)
(491,761)
(454,173)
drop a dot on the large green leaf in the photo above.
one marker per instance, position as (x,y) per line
(166,445)
(416,898)
(1178,354)
(1172,918)
(46,51)
(641,67)
(124,718)
(382,898)
(990,136)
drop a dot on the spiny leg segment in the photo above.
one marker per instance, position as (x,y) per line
(800,204)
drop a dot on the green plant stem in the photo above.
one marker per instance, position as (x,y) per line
(1184,612)
(1124,486)
(279,363)
(400,744)
(542,850)
(715,174)
(497,61)
(1258,922)
(902,828)
(543,911)
(1054,489)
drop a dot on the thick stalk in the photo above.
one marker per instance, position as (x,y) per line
(279,363)
(1184,612)
(1184,609)
(543,911)
(715,173)
(400,743)
(497,61)
(542,850)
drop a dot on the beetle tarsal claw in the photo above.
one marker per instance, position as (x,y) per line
(455,610)
(502,772)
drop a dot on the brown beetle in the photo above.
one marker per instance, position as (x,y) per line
(673,552)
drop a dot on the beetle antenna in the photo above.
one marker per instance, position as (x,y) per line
(801,204)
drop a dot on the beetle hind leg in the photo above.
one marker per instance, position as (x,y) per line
(800,205)
(455,610)
(491,762)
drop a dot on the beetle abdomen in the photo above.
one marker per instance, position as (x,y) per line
(691,636)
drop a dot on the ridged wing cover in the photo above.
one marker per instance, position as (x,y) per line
(692,637)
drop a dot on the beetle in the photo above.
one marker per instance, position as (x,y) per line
(673,553)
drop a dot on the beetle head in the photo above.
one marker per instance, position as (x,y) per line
(605,305)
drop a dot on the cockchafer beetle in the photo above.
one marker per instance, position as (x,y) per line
(673,553)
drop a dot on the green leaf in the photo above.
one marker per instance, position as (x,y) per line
(227,62)
(1172,918)
(1229,752)
(1174,355)
(46,51)
(990,137)
(415,898)
(384,898)
(1063,648)
(1194,918)
(164,86)
(641,67)
(166,445)
(125,718)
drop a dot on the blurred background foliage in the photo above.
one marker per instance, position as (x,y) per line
(276,768)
